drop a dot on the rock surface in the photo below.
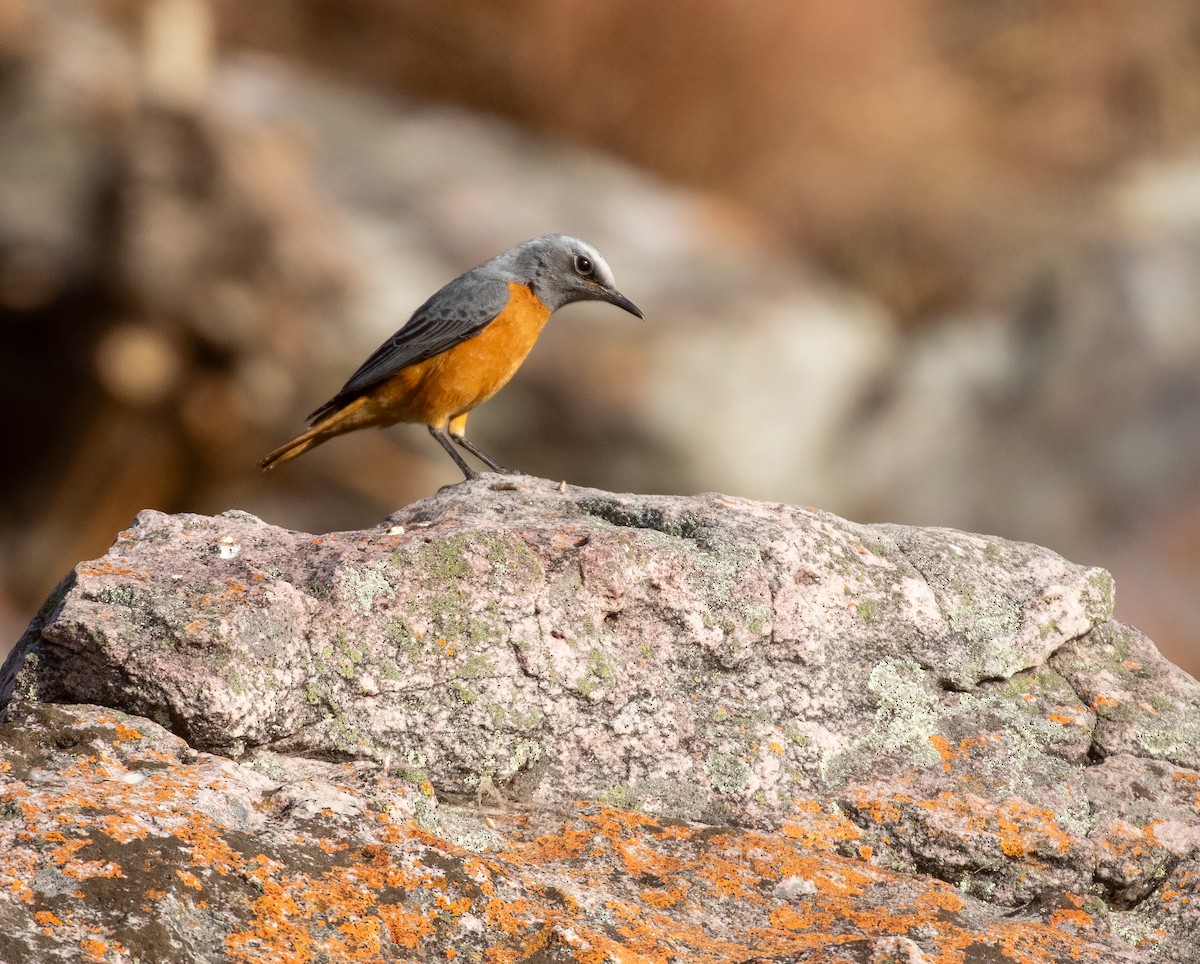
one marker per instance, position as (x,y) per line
(526,721)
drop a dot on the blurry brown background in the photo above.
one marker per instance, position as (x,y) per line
(927,261)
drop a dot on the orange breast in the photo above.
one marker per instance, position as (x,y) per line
(454,382)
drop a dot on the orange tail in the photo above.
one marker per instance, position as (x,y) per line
(337,423)
(297,446)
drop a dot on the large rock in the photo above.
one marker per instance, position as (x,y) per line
(800,736)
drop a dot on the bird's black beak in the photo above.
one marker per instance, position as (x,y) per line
(614,297)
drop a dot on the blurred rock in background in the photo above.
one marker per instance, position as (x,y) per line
(162,261)
(928,263)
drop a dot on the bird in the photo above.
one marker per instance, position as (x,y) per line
(462,346)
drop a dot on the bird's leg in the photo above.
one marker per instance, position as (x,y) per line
(458,428)
(444,441)
(474,450)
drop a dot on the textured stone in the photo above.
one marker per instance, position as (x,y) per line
(700,657)
(123,844)
(766,706)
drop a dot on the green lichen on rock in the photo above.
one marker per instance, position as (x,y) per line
(511,563)
(906,717)
(463,693)
(1028,749)
(1170,733)
(982,620)
(399,632)
(449,560)
(727,771)
(1100,595)
(124,595)
(440,574)
(524,754)
(367,584)
(1136,928)
(27,687)
(599,664)
(528,720)
(476,666)
(600,672)
(865,610)
(758,619)
(983,623)
(346,656)
(720,579)
(619,797)
(442,560)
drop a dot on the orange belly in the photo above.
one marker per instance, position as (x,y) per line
(438,389)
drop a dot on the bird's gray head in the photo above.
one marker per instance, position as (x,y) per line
(561,269)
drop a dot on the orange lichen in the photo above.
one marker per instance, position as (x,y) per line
(93,950)
(361,940)
(880,811)
(125,732)
(942,745)
(64,856)
(122,827)
(47,919)
(789,918)
(209,849)
(1073,916)
(454,907)
(272,936)
(106,567)
(233,594)
(691,893)
(664,898)
(509,917)
(818,830)
(406,927)
(1067,715)
(1012,838)
(942,900)
(1019,828)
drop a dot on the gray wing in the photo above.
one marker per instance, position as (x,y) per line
(460,310)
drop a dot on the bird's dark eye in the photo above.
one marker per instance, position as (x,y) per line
(583,265)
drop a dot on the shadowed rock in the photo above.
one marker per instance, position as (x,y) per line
(946,722)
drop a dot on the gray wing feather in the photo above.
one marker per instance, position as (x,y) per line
(460,310)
